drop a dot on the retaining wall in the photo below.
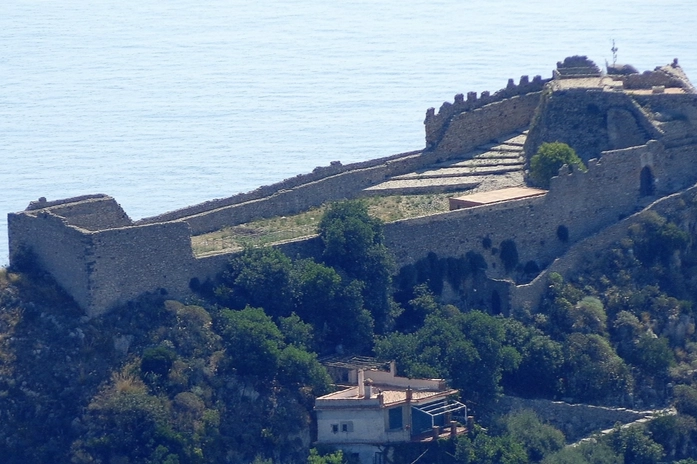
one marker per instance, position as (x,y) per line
(576,421)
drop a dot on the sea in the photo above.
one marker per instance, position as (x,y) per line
(167,103)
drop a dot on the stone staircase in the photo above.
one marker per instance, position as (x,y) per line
(489,167)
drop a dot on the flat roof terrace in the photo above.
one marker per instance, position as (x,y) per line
(494,196)
(391,395)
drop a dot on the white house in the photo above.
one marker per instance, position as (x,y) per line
(381,409)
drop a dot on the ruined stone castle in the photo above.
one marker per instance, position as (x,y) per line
(637,133)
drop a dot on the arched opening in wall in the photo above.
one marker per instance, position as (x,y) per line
(646,188)
(495,302)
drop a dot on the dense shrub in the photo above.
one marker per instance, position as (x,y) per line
(539,439)
(549,158)
(157,360)
(686,400)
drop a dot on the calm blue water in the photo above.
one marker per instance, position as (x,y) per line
(169,103)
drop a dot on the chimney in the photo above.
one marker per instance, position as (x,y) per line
(409,394)
(368,389)
(361,383)
(393,368)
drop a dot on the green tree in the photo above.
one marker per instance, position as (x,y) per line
(296,332)
(467,348)
(485,449)
(353,242)
(481,379)
(539,439)
(349,234)
(261,278)
(588,316)
(593,371)
(637,447)
(252,340)
(586,453)
(126,423)
(655,238)
(686,400)
(298,368)
(315,457)
(539,371)
(549,158)
(334,306)
(676,433)
(627,330)
(422,305)
(653,355)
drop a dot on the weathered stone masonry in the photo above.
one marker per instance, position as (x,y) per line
(103,258)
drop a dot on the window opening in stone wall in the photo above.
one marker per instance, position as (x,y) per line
(335,428)
(647,188)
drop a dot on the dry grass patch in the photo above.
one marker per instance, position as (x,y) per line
(281,228)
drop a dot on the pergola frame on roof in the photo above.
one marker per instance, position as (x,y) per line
(436,412)
(441,407)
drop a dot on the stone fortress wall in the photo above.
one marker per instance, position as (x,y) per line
(104,259)
(587,249)
(583,202)
(476,121)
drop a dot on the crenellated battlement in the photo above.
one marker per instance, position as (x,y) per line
(437,123)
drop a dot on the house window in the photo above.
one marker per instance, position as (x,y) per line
(395,418)
(377,458)
(335,428)
(347,426)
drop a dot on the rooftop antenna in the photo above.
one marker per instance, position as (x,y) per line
(614,53)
